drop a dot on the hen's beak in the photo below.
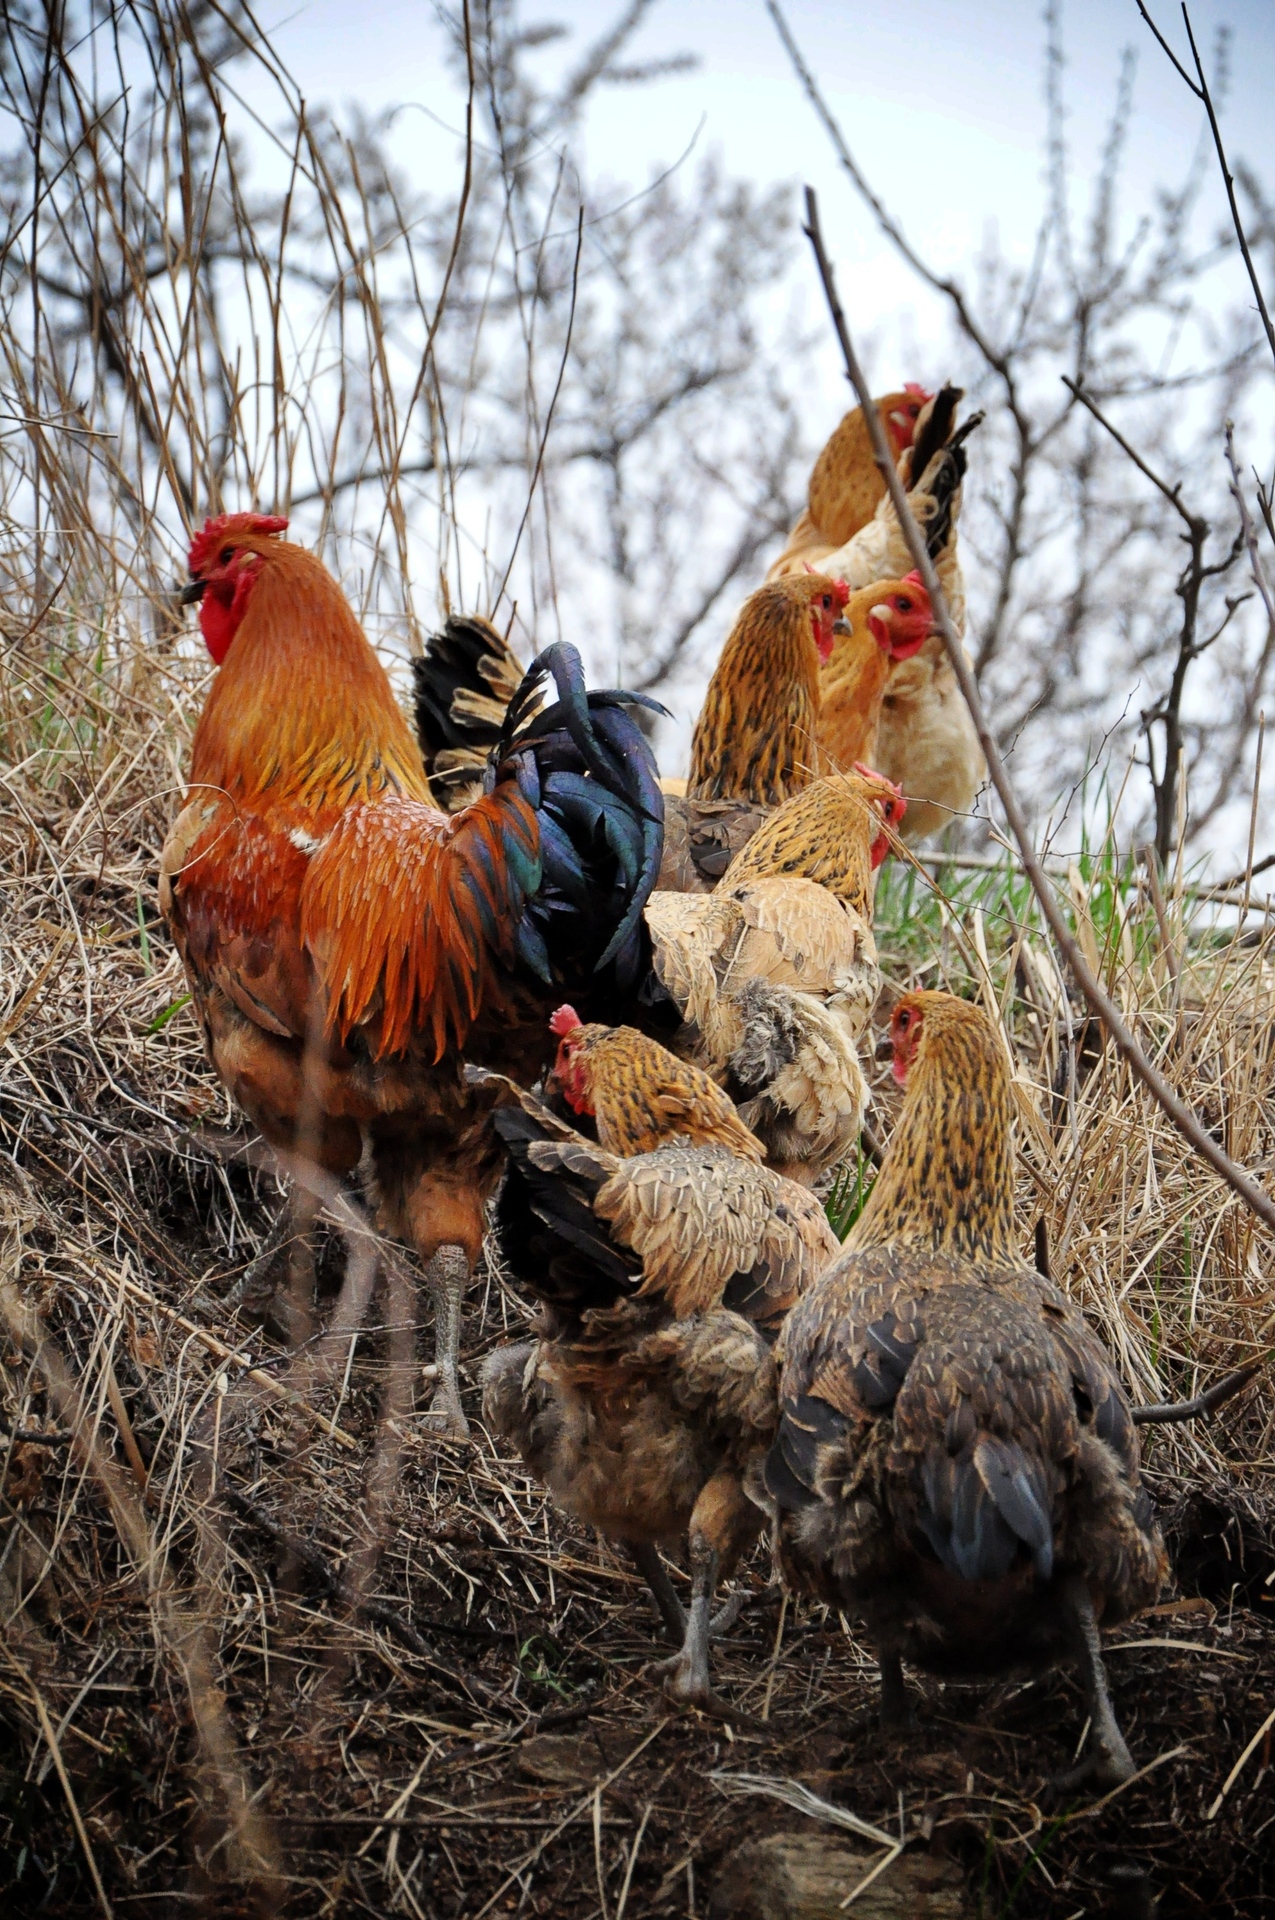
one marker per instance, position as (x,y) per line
(190,594)
(841,625)
(884,1049)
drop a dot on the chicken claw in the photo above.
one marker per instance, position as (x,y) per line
(1108,1761)
(647,1560)
(447,1276)
(686,1678)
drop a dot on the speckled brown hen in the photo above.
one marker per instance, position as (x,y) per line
(649,1389)
(957,1462)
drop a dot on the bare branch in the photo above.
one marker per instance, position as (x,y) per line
(1197,1136)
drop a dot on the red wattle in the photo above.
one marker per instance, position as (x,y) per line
(217,623)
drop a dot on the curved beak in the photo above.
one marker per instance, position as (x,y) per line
(884,1049)
(841,625)
(191,593)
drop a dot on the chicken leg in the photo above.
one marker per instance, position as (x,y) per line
(447,1276)
(1108,1760)
(896,1715)
(257,1290)
(647,1560)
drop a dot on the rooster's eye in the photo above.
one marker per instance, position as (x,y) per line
(827,600)
(904,606)
(225,557)
(914,410)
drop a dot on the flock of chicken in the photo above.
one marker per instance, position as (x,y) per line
(387,936)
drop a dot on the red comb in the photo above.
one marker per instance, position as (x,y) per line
(911,386)
(840,592)
(226,526)
(564,1021)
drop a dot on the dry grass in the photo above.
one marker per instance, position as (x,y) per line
(266,1646)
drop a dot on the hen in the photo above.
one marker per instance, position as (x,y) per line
(344,941)
(926,739)
(648,1388)
(956,1461)
(774,976)
(755,736)
(885,624)
(846,485)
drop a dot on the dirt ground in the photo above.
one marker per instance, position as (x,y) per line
(487,1735)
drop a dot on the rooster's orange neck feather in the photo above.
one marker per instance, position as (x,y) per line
(302,712)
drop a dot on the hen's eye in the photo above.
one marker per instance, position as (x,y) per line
(827,600)
(903,604)
(225,557)
(914,410)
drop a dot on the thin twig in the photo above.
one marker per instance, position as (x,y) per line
(1200,88)
(1169,1412)
(1178,1113)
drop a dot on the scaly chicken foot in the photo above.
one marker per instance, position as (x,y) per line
(257,1290)
(447,1276)
(647,1560)
(1108,1761)
(686,1678)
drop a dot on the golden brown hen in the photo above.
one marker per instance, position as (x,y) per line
(648,1389)
(755,736)
(926,739)
(883,625)
(957,1462)
(845,483)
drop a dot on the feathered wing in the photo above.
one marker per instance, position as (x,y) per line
(690,1228)
(229,885)
(412,916)
(966,1393)
(701,839)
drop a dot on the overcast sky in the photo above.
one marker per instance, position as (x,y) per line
(941,101)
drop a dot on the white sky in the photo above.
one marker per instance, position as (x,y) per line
(941,101)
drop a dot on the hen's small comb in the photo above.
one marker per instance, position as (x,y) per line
(564,1021)
(840,592)
(912,386)
(224,527)
(882,780)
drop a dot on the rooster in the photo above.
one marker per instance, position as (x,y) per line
(846,485)
(774,976)
(926,739)
(345,942)
(957,1460)
(661,1274)
(462,687)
